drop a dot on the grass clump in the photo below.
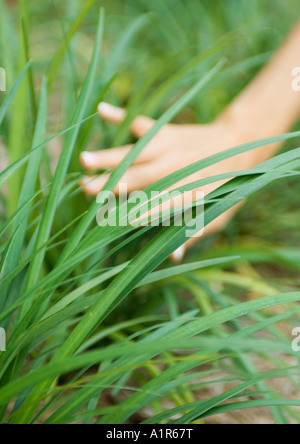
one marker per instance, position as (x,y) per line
(99,333)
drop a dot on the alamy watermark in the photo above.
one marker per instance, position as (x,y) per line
(296,79)
(296,341)
(2,79)
(2,340)
(140,209)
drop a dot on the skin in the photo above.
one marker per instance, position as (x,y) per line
(267,107)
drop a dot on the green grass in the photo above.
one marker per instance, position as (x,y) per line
(100,324)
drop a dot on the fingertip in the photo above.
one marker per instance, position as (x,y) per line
(102,107)
(178,254)
(91,185)
(111,113)
(87,159)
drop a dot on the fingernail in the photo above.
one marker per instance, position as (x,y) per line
(87,158)
(110,112)
(178,254)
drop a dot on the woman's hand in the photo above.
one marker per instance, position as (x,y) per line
(173,148)
(267,107)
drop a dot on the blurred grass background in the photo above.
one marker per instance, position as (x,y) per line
(167,37)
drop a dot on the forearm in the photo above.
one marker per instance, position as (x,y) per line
(269,106)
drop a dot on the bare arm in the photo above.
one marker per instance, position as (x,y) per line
(269,106)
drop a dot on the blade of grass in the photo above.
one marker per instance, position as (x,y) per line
(60,53)
(11,260)
(62,168)
(12,93)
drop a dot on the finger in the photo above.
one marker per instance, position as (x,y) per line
(111,113)
(215,226)
(93,185)
(136,178)
(140,126)
(94,160)
(111,158)
(179,254)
